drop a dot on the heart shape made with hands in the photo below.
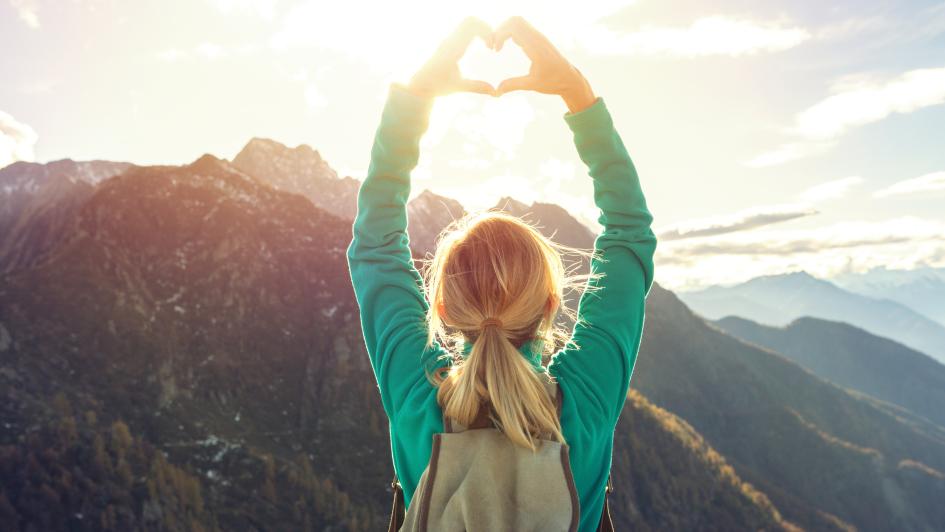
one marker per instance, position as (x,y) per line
(484,64)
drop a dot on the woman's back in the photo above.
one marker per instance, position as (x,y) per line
(592,370)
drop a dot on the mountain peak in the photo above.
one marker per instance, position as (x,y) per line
(260,151)
(269,148)
(427,196)
(207,162)
(511,205)
(798,277)
(800,274)
(300,170)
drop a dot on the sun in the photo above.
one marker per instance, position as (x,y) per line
(394,38)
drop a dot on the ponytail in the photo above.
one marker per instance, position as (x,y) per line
(495,373)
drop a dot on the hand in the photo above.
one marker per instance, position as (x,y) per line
(550,72)
(440,75)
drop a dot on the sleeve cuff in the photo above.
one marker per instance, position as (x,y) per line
(406,107)
(594,117)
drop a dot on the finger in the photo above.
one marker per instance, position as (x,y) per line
(474,85)
(471,27)
(503,33)
(520,83)
(524,35)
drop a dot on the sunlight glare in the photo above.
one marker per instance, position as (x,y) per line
(396,37)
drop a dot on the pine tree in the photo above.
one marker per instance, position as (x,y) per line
(121,438)
(269,485)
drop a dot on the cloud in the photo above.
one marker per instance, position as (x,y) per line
(394,41)
(764,215)
(16,140)
(207,51)
(831,189)
(740,221)
(900,243)
(172,55)
(786,153)
(315,100)
(853,27)
(840,235)
(265,9)
(556,172)
(926,183)
(864,103)
(210,51)
(27,10)
(715,35)
(37,87)
(856,102)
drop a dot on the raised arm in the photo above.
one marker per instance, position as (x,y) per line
(594,369)
(599,360)
(388,287)
(386,284)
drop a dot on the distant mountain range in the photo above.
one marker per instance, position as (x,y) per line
(37,201)
(818,452)
(187,354)
(921,289)
(855,359)
(779,299)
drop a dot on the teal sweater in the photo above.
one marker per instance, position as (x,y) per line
(594,378)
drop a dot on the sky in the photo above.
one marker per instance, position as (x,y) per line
(769,137)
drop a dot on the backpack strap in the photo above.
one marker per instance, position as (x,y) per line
(554,392)
(606,521)
(398,511)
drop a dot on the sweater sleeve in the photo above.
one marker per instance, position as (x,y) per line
(388,287)
(595,366)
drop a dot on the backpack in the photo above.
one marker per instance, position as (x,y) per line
(477,479)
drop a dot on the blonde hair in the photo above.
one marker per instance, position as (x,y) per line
(492,265)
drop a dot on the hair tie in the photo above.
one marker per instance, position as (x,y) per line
(490,321)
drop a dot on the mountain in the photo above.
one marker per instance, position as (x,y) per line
(823,456)
(213,315)
(38,200)
(427,215)
(667,477)
(855,359)
(191,358)
(922,289)
(300,170)
(779,299)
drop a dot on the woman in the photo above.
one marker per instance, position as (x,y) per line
(495,284)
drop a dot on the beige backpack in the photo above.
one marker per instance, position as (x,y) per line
(478,480)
